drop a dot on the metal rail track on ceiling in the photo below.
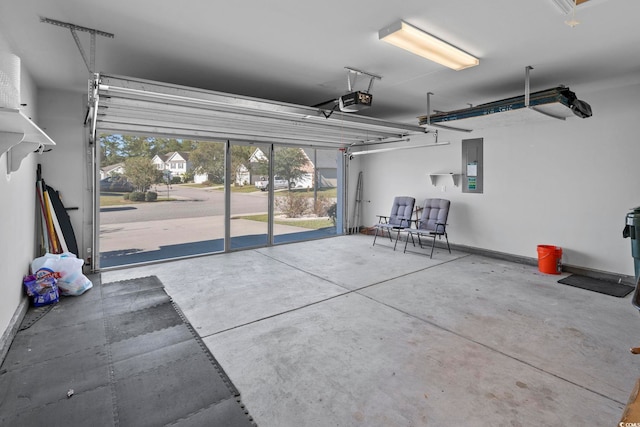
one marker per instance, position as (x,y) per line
(136,106)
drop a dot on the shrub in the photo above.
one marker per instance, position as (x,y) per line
(293,205)
(332,212)
(125,196)
(188,176)
(151,196)
(136,196)
(322,205)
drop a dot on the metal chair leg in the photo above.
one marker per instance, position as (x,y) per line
(398,231)
(433,245)
(406,242)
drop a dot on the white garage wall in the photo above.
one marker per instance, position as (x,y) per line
(68,167)
(568,184)
(17,222)
(60,114)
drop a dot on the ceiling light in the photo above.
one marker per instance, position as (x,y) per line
(416,41)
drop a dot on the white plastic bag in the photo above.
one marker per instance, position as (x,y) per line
(71,282)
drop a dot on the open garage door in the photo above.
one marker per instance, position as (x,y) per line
(271,133)
(140,107)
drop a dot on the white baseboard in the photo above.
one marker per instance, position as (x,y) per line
(12,328)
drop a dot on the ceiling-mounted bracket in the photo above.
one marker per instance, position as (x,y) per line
(357,100)
(440,125)
(355,73)
(527,95)
(91,62)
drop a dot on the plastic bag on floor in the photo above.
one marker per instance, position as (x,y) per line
(42,287)
(71,282)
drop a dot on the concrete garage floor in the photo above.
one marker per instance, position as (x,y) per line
(335,332)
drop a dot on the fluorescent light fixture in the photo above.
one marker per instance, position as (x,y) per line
(416,41)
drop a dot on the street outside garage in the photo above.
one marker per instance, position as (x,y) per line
(190,223)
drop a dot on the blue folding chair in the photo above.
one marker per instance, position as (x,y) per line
(398,220)
(432,223)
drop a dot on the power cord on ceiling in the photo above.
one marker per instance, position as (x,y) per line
(324,113)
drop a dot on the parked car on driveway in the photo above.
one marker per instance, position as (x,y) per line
(305,181)
(117,184)
(278,183)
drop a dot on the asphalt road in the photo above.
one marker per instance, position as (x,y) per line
(190,203)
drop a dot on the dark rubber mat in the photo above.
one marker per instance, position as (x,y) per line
(117,305)
(597,285)
(31,347)
(131,286)
(226,413)
(150,342)
(134,323)
(168,392)
(94,405)
(50,380)
(123,356)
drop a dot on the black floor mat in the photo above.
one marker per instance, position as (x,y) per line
(597,285)
(127,357)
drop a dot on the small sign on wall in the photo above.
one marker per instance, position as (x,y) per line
(472,169)
(472,183)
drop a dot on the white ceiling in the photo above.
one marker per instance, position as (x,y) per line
(295,51)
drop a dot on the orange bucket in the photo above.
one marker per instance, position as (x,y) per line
(549,259)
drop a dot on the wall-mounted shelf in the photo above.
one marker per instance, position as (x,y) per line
(19,136)
(454,177)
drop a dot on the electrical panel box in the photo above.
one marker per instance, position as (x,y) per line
(472,166)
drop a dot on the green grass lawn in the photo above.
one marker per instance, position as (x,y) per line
(328,192)
(310,223)
(193,185)
(220,187)
(245,189)
(117,199)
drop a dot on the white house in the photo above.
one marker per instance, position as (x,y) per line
(176,162)
(309,168)
(111,170)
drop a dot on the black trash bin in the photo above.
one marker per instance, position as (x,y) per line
(632,230)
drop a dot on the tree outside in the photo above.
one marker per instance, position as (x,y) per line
(116,148)
(208,158)
(141,172)
(242,167)
(290,164)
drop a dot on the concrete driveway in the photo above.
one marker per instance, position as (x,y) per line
(191,224)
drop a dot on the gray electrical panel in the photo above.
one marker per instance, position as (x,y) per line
(472,166)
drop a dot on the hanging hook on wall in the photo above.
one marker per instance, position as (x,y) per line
(41,149)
